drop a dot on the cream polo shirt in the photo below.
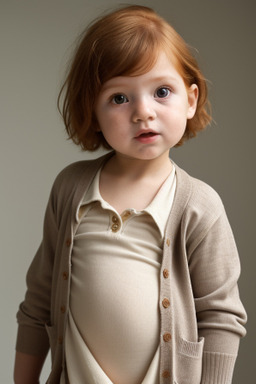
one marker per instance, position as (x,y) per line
(112,334)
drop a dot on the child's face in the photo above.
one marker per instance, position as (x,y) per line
(142,117)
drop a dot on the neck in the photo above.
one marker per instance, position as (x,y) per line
(123,166)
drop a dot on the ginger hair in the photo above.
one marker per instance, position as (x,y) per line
(125,42)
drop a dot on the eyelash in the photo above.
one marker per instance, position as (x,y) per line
(112,99)
(126,100)
(165,88)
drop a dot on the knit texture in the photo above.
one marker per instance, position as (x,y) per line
(198,298)
(217,368)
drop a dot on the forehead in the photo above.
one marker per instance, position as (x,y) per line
(162,70)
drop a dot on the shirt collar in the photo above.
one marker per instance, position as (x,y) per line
(160,206)
(93,194)
(158,209)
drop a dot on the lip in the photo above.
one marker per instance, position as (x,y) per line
(146,136)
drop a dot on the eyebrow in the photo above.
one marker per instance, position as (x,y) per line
(159,79)
(164,78)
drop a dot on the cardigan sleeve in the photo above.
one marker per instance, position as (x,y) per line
(34,311)
(214,269)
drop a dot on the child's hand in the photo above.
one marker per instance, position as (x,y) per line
(27,368)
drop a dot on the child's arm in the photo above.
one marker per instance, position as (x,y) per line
(214,271)
(27,368)
(34,313)
(35,316)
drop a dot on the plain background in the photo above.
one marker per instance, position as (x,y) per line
(36,41)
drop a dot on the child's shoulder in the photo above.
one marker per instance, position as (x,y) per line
(201,196)
(202,212)
(76,173)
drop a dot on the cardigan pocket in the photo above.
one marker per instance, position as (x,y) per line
(189,361)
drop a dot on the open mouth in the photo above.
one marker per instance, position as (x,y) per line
(148,134)
(146,137)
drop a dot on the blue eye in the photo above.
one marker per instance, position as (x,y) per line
(119,99)
(163,92)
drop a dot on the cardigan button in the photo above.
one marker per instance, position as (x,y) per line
(166,273)
(65,275)
(166,303)
(68,242)
(166,374)
(167,337)
(60,340)
(63,309)
(168,242)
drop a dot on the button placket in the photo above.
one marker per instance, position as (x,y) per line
(116,224)
(166,336)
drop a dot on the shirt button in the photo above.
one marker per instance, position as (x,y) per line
(68,242)
(63,309)
(168,242)
(166,303)
(114,219)
(125,215)
(167,337)
(166,273)
(65,275)
(115,227)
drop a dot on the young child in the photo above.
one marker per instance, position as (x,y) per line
(135,281)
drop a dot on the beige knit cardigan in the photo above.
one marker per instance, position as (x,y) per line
(202,318)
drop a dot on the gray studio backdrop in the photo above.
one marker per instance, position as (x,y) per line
(36,41)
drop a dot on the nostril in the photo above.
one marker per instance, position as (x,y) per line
(144,114)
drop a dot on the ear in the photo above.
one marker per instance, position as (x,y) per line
(193,93)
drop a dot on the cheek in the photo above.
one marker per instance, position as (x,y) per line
(113,122)
(177,123)
(107,115)
(177,116)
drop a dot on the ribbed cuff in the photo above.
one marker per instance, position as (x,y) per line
(217,368)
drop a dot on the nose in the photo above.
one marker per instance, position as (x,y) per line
(143,111)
